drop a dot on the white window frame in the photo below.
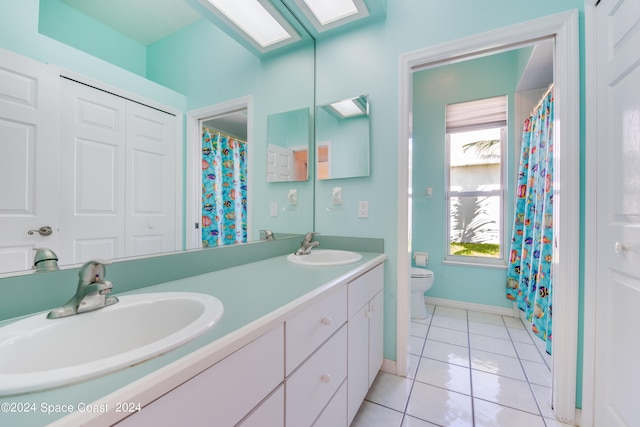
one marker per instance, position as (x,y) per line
(499,262)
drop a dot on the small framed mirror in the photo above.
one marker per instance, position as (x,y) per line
(288,136)
(342,138)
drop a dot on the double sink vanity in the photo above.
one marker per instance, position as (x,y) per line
(289,340)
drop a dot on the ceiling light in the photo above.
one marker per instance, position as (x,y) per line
(351,107)
(328,11)
(254,19)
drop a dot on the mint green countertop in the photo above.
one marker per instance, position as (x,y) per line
(256,297)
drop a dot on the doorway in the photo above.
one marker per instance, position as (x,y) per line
(230,122)
(563,29)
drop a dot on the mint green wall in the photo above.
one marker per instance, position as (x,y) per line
(65,24)
(433,89)
(209,67)
(19,33)
(290,129)
(366,60)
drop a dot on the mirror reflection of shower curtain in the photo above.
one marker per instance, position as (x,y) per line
(224,189)
(529,274)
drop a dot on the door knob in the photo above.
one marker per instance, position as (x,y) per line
(43,231)
(618,247)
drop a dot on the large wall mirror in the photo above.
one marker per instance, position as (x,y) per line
(342,138)
(181,56)
(288,144)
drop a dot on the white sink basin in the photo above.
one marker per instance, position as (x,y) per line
(326,257)
(37,353)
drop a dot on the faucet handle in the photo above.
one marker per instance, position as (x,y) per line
(93,271)
(309,236)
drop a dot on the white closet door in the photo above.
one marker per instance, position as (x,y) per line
(280,164)
(151,181)
(617,376)
(28,158)
(92,174)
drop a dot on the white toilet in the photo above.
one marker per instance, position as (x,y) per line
(421,282)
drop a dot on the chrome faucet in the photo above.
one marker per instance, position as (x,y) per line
(45,260)
(268,235)
(91,293)
(307,244)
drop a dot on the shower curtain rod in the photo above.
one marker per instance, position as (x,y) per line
(213,131)
(549,89)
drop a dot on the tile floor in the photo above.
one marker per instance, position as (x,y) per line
(466,369)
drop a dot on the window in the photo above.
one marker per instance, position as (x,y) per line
(475,169)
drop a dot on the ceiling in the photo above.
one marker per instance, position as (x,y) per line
(145,21)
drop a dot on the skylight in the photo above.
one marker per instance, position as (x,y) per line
(328,11)
(254,19)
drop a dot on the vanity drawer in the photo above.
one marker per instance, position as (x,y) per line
(311,387)
(310,328)
(365,287)
(335,414)
(223,394)
(269,413)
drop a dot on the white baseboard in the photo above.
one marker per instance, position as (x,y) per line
(490,309)
(389,366)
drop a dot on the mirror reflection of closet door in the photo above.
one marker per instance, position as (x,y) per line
(28,159)
(117,177)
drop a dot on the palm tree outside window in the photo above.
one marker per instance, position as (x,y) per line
(474,180)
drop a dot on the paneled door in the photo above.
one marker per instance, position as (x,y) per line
(617,376)
(117,175)
(280,163)
(92,174)
(28,159)
(151,181)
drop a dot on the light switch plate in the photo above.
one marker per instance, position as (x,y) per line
(274,208)
(363,209)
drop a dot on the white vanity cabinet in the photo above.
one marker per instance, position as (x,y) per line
(311,370)
(316,360)
(365,343)
(226,392)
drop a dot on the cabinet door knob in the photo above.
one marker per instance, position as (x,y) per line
(620,248)
(326,378)
(326,320)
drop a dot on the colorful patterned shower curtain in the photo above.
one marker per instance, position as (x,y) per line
(529,275)
(224,189)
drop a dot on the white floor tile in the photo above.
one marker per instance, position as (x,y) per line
(555,423)
(413,365)
(449,336)
(489,414)
(465,368)
(492,345)
(451,312)
(372,415)
(390,391)
(494,319)
(503,391)
(543,397)
(528,352)
(445,352)
(455,323)
(489,330)
(520,335)
(415,422)
(513,322)
(497,364)
(418,329)
(415,345)
(537,373)
(444,375)
(440,406)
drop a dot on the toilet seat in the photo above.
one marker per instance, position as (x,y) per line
(417,272)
